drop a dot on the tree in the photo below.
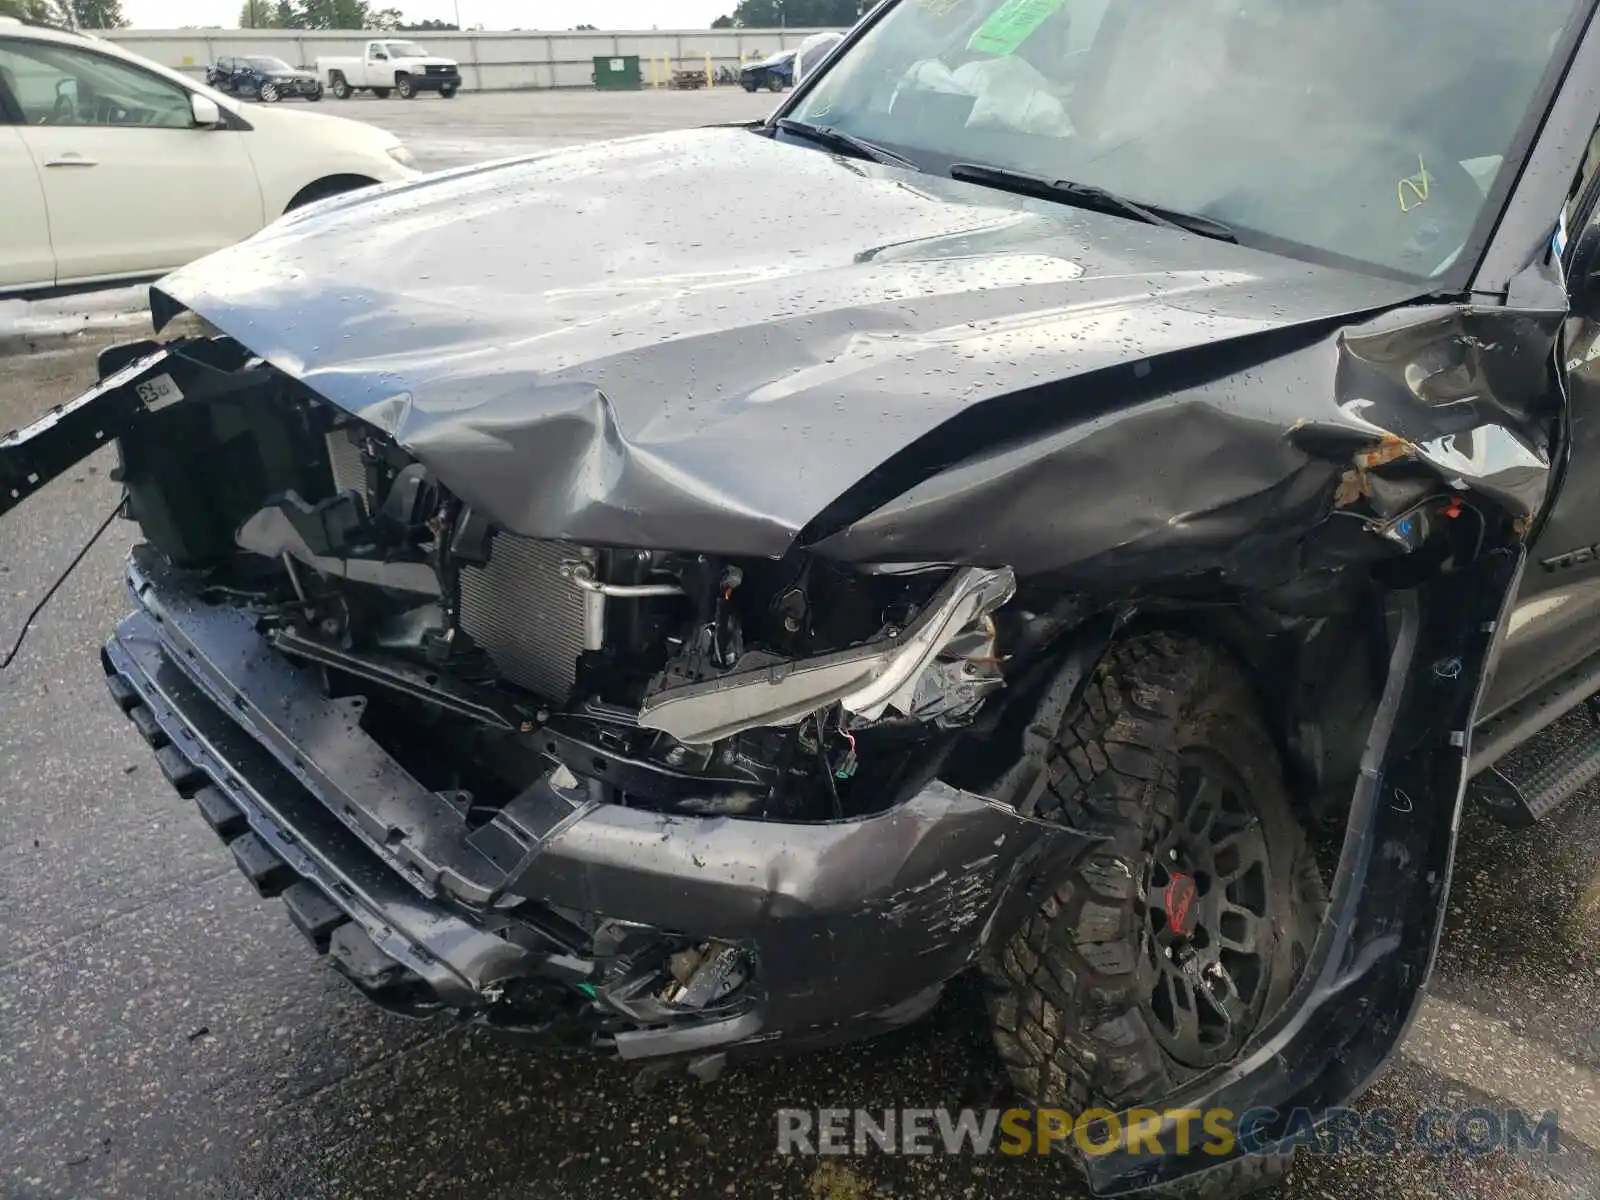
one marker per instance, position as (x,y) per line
(335,14)
(268,14)
(722,22)
(770,14)
(99,14)
(316,14)
(32,10)
(431,25)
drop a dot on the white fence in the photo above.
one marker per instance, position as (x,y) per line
(489,61)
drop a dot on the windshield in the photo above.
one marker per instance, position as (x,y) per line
(406,50)
(1371,130)
(269,64)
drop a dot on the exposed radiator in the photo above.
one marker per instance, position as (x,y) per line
(518,608)
(531,621)
(344,456)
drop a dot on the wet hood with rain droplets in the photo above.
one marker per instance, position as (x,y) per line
(702,340)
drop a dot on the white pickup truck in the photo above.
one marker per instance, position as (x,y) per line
(390,65)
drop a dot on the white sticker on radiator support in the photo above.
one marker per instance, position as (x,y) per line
(158,392)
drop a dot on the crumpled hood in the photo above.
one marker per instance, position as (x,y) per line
(699,340)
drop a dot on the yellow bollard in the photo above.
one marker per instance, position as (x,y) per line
(711,80)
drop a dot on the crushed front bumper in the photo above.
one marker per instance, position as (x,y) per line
(851,926)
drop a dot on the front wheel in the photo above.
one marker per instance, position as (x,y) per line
(315,96)
(447,93)
(1163,950)
(269,93)
(774,84)
(750,86)
(403,85)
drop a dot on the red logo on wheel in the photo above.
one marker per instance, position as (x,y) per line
(1180,897)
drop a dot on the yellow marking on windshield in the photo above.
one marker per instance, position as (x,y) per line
(1416,186)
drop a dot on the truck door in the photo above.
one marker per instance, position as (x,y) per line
(377,66)
(1556,621)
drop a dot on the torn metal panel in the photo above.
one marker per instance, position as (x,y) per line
(564,388)
(1225,475)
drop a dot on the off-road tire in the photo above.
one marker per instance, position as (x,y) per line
(1069,997)
(403,85)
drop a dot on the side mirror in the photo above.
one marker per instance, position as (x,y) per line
(206,113)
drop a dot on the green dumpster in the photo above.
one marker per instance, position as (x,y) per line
(617,73)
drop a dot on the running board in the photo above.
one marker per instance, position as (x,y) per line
(1527,795)
(1522,798)
(1516,724)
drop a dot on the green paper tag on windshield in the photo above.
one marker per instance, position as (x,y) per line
(1011,24)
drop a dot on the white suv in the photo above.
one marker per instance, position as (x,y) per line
(115,168)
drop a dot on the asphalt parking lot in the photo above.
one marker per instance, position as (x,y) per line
(472,128)
(166,1033)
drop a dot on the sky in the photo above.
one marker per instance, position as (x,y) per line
(492,14)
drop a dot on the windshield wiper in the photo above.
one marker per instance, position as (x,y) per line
(1086,195)
(849,143)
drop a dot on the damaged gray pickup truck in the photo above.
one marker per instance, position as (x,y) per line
(1087,516)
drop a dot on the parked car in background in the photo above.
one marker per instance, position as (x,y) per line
(112,167)
(774,73)
(404,68)
(261,77)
